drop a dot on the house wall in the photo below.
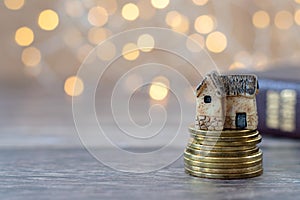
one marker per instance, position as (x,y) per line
(209,115)
(236,104)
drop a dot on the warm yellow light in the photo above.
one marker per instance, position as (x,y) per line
(74,86)
(97,35)
(162,79)
(173,19)
(195,42)
(14,4)
(98,16)
(24,36)
(297,17)
(237,65)
(146,42)
(107,51)
(216,42)
(283,20)
(31,57)
(160,4)
(204,24)
(48,20)
(297,1)
(261,19)
(130,51)
(200,2)
(158,91)
(130,11)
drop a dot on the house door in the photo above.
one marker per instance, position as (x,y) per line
(241,120)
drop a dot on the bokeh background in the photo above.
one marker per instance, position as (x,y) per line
(43,44)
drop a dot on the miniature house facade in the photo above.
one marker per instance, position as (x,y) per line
(227,102)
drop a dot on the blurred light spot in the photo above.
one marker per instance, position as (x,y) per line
(133,82)
(146,10)
(74,86)
(24,36)
(31,57)
(97,16)
(158,91)
(284,20)
(216,42)
(83,52)
(173,19)
(200,2)
(130,11)
(195,42)
(97,35)
(297,17)
(261,19)
(204,24)
(160,4)
(107,51)
(14,4)
(48,20)
(74,8)
(109,5)
(162,79)
(130,51)
(72,37)
(237,65)
(297,1)
(177,21)
(146,43)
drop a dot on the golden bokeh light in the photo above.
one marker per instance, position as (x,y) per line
(195,42)
(158,91)
(216,42)
(74,86)
(145,42)
(97,35)
(14,4)
(31,57)
(97,16)
(160,4)
(130,12)
(284,20)
(297,1)
(297,17)
(162,79)
(107,51)
(237,65)
(261,19)
(48,20)
(24,36)
(173,19)
(200,2)
(204,24)
(130,51)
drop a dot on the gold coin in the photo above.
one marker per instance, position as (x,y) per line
(224,171)
(222,165)
(224,176)
(223,159)
(220,148)
(249,142)
(224,133)
(225,139)
(222,154)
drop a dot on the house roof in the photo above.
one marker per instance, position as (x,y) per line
(230,85)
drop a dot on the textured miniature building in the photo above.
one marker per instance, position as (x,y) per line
(227,102)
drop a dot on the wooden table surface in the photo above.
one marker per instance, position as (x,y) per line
(41,158)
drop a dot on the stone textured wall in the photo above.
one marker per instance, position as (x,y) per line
(211,123)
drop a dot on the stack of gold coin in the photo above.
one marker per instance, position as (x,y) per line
(228,154)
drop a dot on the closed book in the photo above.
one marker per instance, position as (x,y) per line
(278,102)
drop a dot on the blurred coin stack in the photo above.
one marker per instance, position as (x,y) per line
(227,154)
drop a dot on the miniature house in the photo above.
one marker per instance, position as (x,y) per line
(227,102)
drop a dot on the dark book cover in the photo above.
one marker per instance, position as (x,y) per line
(278,102)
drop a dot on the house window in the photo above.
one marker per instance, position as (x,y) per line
(207,99)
